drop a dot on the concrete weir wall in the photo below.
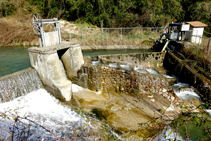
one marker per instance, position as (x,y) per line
(151,60)
(18,84)
(53,63)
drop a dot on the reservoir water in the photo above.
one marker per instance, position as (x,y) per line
(13,59)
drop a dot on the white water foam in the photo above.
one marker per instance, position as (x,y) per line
(47,111)
(140,69)
(187,93)
(95,63)
(144,70)
(152,71)
(180,84)
(114,65)
(168,76)
(126,67)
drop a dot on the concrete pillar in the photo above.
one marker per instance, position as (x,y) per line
(73,60)
(50,68)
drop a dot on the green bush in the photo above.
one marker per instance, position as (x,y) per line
(7,9)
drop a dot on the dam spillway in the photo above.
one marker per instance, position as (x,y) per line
(19,84)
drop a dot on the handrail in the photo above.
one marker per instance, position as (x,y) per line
(191,69)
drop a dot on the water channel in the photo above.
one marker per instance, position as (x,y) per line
(53,114)
(13,59)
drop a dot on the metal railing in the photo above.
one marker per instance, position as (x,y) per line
(133,36)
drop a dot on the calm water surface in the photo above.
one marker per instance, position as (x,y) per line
(123,51)
(13,59)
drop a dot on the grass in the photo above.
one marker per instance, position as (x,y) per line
(199,53)
(202,50)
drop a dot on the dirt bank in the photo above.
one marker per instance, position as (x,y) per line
(15,31)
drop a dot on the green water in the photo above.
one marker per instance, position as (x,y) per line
(122,51)
(196,132)
(13,59)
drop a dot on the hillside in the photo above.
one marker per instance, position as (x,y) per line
(19,31)
(15,15)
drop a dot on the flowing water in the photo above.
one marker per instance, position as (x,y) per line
(19,84)
(41,116)
(47,111)
(22,94)
(187,93)
(183,91)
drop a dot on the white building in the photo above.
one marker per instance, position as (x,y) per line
(195,32)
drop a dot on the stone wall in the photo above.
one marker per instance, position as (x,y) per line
(105,78)
(151,94)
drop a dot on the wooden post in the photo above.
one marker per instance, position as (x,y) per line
(208,46)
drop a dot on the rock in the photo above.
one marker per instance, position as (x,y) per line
(185,89)
(164,90)
(171,80)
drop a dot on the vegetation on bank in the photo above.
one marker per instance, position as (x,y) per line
(114,13)
(16,27)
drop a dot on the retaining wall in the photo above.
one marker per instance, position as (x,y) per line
(150,93)
(105,78)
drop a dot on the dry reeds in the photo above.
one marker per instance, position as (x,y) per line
(14,32)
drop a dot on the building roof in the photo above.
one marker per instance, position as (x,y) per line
(197,24)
